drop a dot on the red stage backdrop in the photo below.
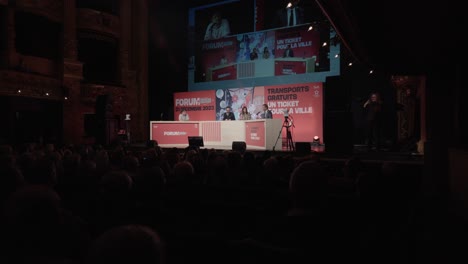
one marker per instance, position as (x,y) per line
(304,105)
(200,105)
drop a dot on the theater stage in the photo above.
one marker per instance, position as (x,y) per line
(361,151)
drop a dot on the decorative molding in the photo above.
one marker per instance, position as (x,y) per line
(128,76)
(38,65)
(52,9)
(407,96)
(124,57)
(98,21)
(29,85)
(89,92)
(72,69)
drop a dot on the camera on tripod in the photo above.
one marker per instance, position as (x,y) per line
(288,121)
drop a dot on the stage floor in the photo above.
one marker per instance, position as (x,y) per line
(361,151)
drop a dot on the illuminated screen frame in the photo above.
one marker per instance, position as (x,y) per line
(333,57)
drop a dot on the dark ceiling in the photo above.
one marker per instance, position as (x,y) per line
(399,36)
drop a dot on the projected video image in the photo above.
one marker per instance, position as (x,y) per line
(261,54)
(223,19)
(245,39)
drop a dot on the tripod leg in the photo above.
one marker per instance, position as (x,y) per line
(279,135)
(289,141)
(291,145)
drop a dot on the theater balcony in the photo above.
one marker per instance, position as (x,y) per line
(94,20)
(69,53)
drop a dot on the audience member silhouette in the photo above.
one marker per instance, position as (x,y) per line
(127,244)
(253,207)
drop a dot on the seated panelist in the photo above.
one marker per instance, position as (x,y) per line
(228,115)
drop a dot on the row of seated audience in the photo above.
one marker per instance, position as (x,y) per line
(88,204)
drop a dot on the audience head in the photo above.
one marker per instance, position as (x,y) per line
(149,183)
(34,204)
(308,185)
(33,217)
(184,172)
(11,177)
(44,173)
(127,244)
(130,163)
(116,184)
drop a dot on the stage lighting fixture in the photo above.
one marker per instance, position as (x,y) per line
(316,140)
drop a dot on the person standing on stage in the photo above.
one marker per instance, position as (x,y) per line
(266,114)
(228,115)
(290,16)
(183,116)
(373,111)
(245,115)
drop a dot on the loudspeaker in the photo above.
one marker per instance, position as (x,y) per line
(239,146)
(303,148)
(107,131)
(106,125)
(196,141)
(90,125)
(151,143)
(104,106)
(337,94)
(338,132)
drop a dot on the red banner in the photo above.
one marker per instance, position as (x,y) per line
(199,105)
(290,67)
(302,103)
(221,73)
(174,133)
(255,133)
(303,43)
